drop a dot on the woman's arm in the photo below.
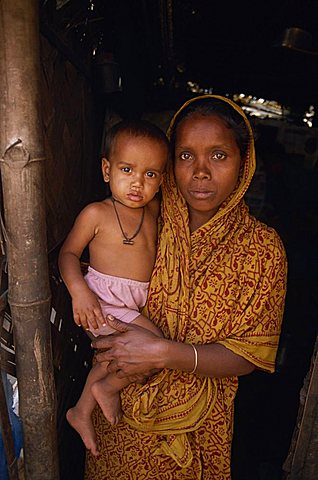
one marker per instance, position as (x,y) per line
(134,350)
(213,360)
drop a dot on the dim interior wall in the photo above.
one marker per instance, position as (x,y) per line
(284,195)
(71,139)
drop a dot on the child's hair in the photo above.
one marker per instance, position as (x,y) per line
(134,128)
(214,106)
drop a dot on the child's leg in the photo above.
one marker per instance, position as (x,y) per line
(106,393)
(147,324)
(79,417)
(106,390)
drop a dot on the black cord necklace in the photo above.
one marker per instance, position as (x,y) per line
(128,240)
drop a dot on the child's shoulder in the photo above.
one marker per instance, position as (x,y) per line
(96,208)
(99,205)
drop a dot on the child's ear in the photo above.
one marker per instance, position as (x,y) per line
(162,177)
(105,169)
(161,180)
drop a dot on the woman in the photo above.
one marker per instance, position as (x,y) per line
(217,293)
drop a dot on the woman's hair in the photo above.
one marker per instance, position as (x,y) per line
(133,128)
(214,106)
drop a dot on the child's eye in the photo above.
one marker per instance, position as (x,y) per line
(151,174)
(126,169)
(185,156)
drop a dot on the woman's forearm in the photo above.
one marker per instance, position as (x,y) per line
(135,350)
(212,360)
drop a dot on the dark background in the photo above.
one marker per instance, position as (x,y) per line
(165,51)
(230,47)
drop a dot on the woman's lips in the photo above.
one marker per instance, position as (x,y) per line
(201,194)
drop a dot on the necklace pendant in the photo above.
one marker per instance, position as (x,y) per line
(127,241)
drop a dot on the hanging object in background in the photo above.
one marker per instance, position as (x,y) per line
(61,3)
(297,39)
(167,40)
(107,73)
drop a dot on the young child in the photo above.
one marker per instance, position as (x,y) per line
(121,234)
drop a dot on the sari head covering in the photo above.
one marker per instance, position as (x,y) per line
(223,283)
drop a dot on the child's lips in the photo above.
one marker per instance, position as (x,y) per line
(135,197)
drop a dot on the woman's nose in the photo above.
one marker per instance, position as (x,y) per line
(201,172)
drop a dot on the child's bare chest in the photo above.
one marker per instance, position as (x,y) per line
(126,250)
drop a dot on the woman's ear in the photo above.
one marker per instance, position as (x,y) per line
(105,169)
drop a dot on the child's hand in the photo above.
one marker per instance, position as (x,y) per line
(87,311)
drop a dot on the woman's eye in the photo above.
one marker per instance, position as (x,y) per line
(151,174)
(126,169)
(185,156)
(219,155)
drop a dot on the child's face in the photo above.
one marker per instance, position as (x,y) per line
(135,169)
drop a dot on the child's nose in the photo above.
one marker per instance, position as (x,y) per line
(137,181)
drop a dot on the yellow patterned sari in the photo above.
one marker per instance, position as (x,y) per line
(224,283)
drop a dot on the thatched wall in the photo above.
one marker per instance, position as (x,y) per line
(72,140)
(72,135)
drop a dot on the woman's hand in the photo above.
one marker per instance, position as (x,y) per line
(133,352)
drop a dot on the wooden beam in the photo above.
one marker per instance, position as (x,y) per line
(302,460)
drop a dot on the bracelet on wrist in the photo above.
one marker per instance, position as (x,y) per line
(195,358)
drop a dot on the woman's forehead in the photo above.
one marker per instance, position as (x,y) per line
(205,127)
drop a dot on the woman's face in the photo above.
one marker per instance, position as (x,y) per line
(207,164)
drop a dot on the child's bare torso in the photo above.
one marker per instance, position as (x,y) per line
(108,252)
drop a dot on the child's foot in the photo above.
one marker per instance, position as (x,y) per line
(84,427)
(109,402)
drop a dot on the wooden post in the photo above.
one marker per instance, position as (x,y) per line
(22,153)
(301,462)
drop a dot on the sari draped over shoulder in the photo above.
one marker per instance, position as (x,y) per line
(224,283)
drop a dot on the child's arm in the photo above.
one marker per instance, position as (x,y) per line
(85,303)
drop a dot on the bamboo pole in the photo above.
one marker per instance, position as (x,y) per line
(22,152)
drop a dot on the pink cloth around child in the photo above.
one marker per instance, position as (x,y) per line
(121,297)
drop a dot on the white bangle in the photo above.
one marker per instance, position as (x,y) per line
(195,358)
